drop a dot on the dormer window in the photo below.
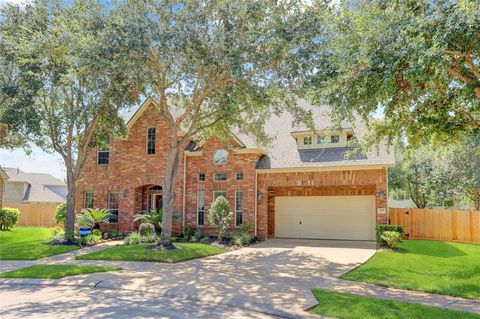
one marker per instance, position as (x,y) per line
(321,139)
(307,140)
(335,139)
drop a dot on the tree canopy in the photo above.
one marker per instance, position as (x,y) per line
(418,61)
(211,67)
(61,86)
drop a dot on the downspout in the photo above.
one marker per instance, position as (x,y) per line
(256,204)
(184,182)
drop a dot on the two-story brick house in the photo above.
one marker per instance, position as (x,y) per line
(305,184)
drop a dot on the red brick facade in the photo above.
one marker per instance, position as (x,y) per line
(131,171)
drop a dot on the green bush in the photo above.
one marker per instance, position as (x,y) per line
(219,216)
(187,232)
(61,214)
(8,217)
(241,238)
(149,238)
(146,229)
(97,232)
(132,239)
(391,238)
(58,236)
(380,228)
(198,233)
(205,240)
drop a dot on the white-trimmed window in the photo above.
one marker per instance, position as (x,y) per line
(307,140)
(151,140)
(218,193)
(219,177)
(220,157)
(103,155)
(321,139)
(201,177)
(238,208)
(239,176)
(88,200)
(334,139)
(113,206)
(200,208)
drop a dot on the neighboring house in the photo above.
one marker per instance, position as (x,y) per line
(3,181)
(303,185)
(23,187)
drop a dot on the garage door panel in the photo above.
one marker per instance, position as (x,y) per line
(326,217)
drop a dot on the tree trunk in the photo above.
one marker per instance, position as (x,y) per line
(70,218)
(168,190)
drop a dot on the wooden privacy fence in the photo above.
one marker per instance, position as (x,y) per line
(438,224)
(35,214)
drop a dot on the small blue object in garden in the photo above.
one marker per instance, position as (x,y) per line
(84,231)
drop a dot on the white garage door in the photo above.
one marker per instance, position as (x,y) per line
(325,217)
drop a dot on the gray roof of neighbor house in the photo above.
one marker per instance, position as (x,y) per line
(39,188)
(284,153)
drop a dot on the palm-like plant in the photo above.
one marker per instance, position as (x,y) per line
(153,217)
(94,217)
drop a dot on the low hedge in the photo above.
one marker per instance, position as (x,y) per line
(380,228)
(8,217)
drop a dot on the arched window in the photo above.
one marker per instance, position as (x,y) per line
(220,157)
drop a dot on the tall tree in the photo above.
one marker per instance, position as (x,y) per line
(466,168)
(419,61)
(210,66)
(64,83)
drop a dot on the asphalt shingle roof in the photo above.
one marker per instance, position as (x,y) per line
(284,153)
(38,185)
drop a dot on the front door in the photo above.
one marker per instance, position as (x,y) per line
(157,203)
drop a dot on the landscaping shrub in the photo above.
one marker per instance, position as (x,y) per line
(146,229)
(95,217)
(391,238)
(198,235)
(241,238)
(58,236)
(61,214)
(380,228)
(149,238)
(219,216)
(154,217)
(8,217)
(205,240)
(97,233)
(114,234)
(132,239)
(187,231)
(135,238)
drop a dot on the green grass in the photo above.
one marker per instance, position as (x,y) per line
(54,271)
(347,306)
(29,243)
(140,252)
(430,266)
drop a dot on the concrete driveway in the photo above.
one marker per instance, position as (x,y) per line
(271,279)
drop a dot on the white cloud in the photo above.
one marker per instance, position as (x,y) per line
(20,2)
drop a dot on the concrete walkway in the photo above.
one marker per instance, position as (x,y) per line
(271,279)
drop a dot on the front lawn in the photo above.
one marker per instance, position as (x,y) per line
(54,271)
(347,306)
(430,266)
(141,252)
(29,243)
